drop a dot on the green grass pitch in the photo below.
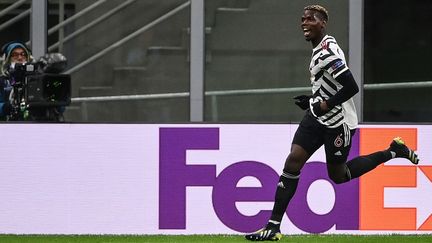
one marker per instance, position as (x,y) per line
(214,238)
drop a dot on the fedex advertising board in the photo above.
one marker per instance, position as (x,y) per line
(200,179)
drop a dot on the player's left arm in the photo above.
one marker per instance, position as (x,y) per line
(348,90)
(335,65)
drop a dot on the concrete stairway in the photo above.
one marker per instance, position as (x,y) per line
(249,45)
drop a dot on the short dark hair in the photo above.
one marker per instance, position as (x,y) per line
(320,9)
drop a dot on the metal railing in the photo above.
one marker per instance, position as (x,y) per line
(16,18)
(75,16)
(69,20)
(382,86)
(127,38)
(12,7)
(27,12)
(62,23)
(84,28)
(212,94)
(215,94)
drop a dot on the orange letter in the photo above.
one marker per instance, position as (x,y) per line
(427,225)
(373,214)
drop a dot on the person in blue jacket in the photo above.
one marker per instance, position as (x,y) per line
(12,53)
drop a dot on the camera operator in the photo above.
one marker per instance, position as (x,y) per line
(15,54)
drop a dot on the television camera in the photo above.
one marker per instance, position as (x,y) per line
(39,91)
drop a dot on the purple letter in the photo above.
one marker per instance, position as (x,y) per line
(345,212)
(175,174)
(226,194)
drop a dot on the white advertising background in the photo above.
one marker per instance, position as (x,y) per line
(104,178)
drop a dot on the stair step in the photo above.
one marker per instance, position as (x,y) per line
(72,113)
(256,69)
(140,81)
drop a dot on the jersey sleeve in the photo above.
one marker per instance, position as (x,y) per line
(332,62)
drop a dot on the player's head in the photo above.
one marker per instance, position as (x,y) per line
(314,23)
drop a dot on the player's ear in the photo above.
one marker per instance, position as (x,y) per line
(324,24)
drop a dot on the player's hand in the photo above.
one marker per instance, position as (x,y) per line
(302,101)
(319,108)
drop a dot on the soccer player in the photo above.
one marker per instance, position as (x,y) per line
(330,120)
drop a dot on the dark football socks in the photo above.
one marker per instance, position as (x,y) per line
(285,191)
(362,164)
(288,182)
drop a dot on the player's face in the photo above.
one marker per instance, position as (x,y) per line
(18,55)
(312,26)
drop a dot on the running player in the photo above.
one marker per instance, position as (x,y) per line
(330,120)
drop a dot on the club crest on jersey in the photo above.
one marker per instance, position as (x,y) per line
(324,45)
(338,141)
